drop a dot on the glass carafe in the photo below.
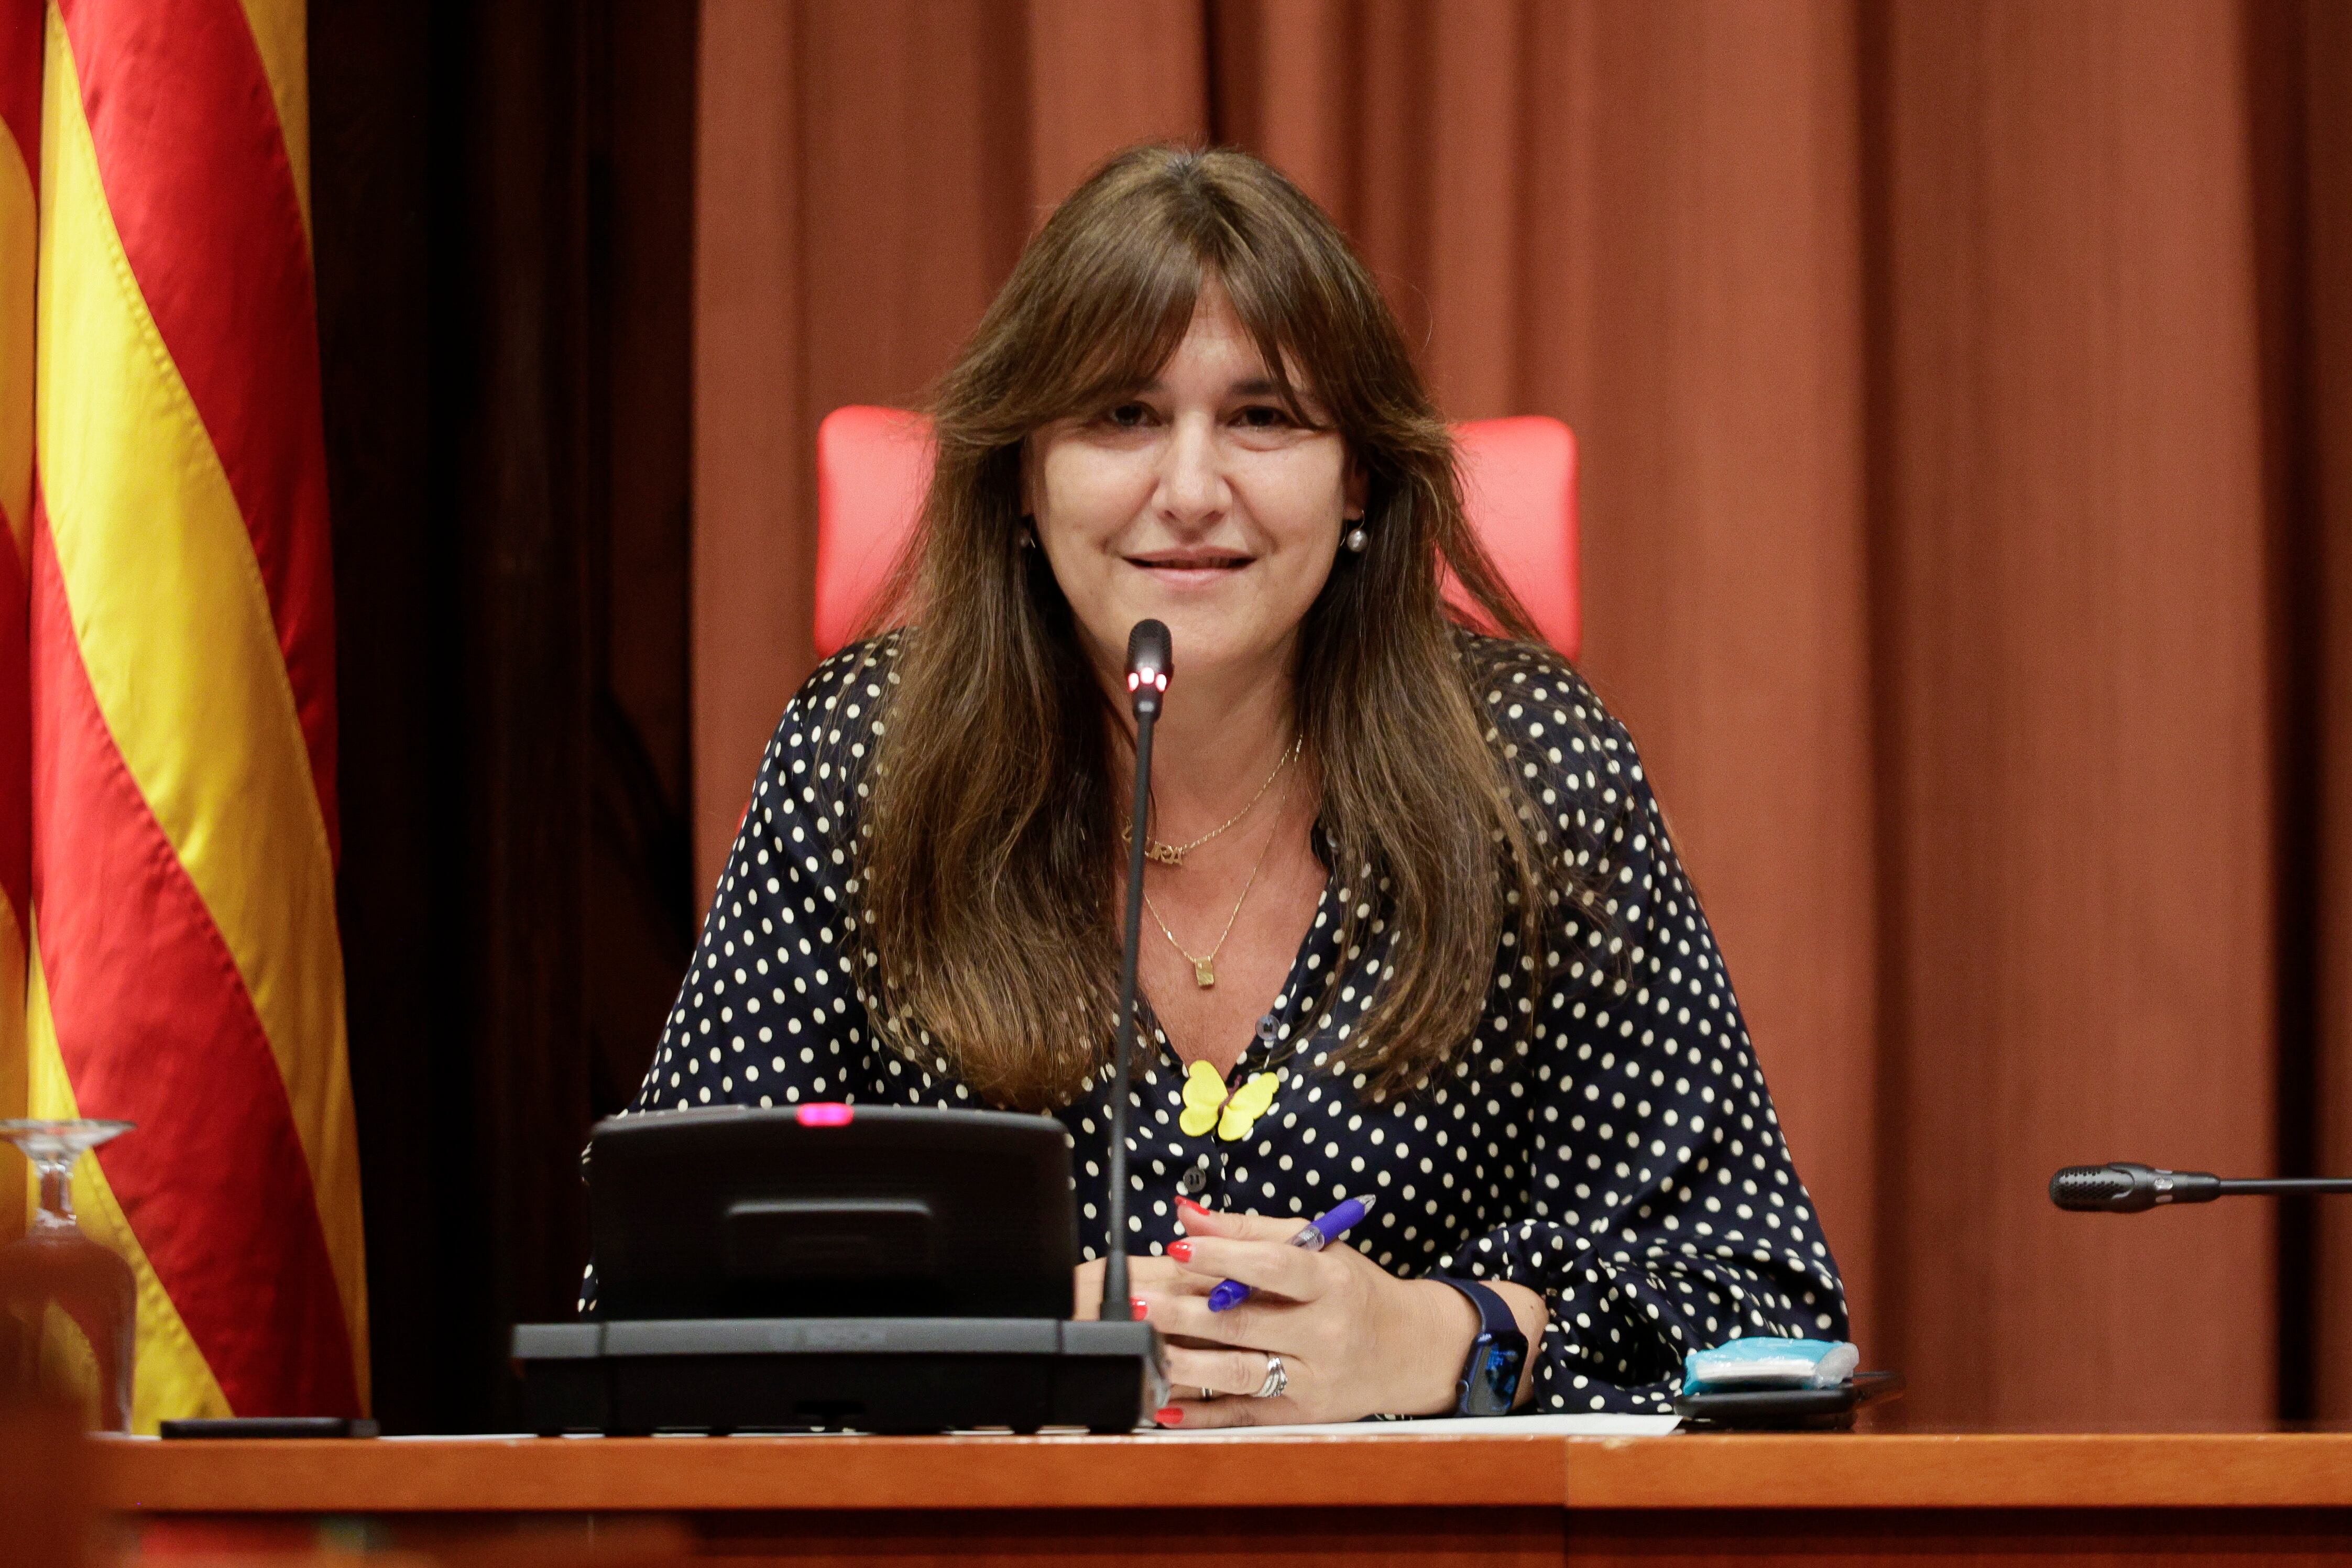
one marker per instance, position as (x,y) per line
(68,1305)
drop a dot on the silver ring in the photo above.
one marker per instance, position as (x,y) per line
(1207,1391)
(1277,1378)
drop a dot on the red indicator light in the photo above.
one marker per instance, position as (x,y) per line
(827,1114)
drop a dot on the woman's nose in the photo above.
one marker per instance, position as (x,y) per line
(1192,475)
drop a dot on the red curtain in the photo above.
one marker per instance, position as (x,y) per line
(1965,391)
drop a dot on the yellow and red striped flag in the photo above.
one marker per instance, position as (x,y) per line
(186,969)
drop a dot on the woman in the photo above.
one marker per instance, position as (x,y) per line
(1416,931)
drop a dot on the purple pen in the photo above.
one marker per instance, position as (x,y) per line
(1320,1232)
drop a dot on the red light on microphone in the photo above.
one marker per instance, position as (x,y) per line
(826,1114)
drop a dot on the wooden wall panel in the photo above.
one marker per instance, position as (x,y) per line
(754,557)
(2320,90)
(914,182)
(1101,77)
(2075,690)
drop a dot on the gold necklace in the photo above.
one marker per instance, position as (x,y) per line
(1205,965)
(1173,854)
(1204,973)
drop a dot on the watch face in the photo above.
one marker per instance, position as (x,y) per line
(1494,1374)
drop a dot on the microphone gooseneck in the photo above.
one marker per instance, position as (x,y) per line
(2123,1186)
(1150,661)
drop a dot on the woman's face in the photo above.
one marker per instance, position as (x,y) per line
(1199,501)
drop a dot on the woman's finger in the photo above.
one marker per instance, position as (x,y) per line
(1199,1221)
(1290,1272)
(1256,1324)
(1145,1272)
(1237,1371)
(1207,1415)
(1086,1290)
(1154,1273)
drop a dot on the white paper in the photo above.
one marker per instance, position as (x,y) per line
(1588,1425)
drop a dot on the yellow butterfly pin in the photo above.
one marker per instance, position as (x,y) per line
(1207,1104)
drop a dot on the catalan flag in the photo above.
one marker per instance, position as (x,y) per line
(184,968)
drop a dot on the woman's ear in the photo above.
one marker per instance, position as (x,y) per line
(1354,487)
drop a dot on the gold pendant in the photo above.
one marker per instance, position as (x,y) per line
(1206,975)
(1163,853)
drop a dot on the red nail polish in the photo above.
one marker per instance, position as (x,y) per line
(1141,1307)
(1169,1416)
(1188,1203)
(1181,1250)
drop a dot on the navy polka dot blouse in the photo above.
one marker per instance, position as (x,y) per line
(1622,1158)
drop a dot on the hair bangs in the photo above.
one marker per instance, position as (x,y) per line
(1275,305)
(1121,314)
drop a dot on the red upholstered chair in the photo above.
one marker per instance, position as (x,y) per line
(1519,480)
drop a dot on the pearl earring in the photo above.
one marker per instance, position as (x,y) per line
(1357,540)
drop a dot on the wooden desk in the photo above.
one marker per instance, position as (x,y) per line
(1429,1498)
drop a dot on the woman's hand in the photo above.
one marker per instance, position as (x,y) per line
(1355,1339)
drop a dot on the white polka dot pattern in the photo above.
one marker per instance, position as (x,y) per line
(1622,1156)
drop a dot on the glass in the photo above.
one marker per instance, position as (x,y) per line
(69,1306)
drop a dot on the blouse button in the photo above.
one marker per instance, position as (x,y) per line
(1195,1181)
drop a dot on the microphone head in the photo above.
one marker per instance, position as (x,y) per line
(2121,1187)
(1151,661)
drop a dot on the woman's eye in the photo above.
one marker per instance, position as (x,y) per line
(1128,415)
(1264,416)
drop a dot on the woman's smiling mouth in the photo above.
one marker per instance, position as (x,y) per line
(1190,567)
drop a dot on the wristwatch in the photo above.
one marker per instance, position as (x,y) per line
(1490,1374)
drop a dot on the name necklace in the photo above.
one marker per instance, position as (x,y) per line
(1173,854)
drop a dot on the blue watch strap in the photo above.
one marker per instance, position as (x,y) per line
(1494,1316)
(1490,1374)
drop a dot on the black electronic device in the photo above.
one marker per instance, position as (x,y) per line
(887,1268)
(871,1374)
(1828,1409)
(2123,1186)
(216,1427)
(832,1211)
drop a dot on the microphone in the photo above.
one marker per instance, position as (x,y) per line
(2121,1186)
(1150,660)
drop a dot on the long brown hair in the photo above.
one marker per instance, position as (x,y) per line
(992,827)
